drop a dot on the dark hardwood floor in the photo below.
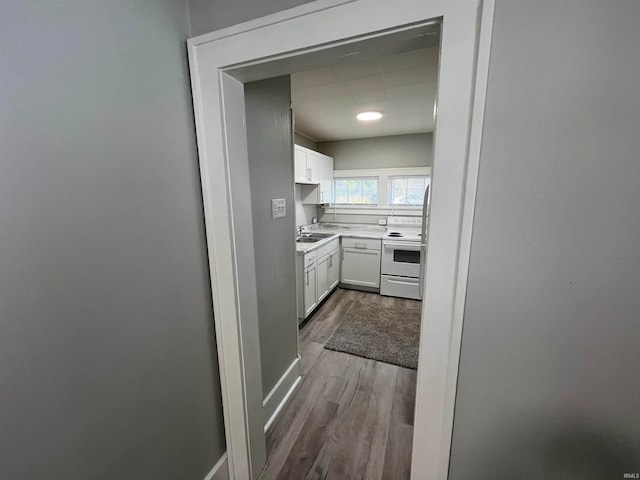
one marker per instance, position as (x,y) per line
(351,418)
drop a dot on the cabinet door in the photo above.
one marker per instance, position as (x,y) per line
(326,179)
(314,166)
(323,278)
(300,164)
(334,269)
(310,293)
(361,267)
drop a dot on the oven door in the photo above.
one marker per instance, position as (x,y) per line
(400,258)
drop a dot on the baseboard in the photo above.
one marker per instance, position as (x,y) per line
(361,288)
(272,406)
(278,396)
(220,470)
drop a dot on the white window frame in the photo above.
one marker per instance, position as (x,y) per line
(382,208)
(391,178)
(215,60)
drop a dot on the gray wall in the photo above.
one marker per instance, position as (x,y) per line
(413,150)
(548,383)
(305,141)
(107,353)
(209,15)
(267,105)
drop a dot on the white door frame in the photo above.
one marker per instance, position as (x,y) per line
(465,44)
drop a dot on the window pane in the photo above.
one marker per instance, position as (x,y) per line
(341,191)
(415,191)
(356,191)
(370,191)
(407,190)
(399,191)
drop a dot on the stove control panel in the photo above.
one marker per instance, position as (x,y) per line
(407,222)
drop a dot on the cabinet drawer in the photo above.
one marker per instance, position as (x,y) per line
(309,259)
(362,243)
(403,287)
(327,248)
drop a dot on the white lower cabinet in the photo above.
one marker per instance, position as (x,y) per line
(361,262)
(310,290)
(323,277)
(328,273)
(320,270)
(333,269)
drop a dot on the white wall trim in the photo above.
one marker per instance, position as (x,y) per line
(441,439)
(220,470)
(475,146)
(307,137)
(267,20)
(281,392)
(378,211)
(294,33)
(378,172)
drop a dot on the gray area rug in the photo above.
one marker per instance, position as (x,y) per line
(387,334)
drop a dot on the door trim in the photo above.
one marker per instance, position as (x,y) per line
(465,44)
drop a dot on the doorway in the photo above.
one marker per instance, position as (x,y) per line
(221,63)
(359,260)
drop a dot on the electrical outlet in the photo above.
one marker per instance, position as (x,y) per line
(382,221)
(278,208)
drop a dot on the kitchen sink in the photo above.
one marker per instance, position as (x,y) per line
(321,235)
(307,240)
(313,237)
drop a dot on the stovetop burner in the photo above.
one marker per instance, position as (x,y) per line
(404,235)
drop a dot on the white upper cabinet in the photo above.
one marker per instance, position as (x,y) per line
(316,171)
(325,178)
(302,174)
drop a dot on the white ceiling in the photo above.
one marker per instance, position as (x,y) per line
(401,86)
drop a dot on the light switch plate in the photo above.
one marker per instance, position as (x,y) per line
(278,208)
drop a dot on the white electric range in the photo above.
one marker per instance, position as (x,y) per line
(402,253)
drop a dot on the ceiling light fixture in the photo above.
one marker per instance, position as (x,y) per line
(369,116)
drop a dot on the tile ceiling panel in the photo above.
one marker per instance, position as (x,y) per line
(401,86)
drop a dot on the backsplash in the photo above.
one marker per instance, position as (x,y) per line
(304,213)
(349,218)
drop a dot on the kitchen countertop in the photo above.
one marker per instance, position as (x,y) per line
(341,230)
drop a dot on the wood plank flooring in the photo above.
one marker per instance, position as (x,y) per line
(351,418)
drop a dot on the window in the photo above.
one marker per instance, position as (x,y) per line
(408,191)
(356,191)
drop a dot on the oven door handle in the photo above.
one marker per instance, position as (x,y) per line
(400,282)
(404,246)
